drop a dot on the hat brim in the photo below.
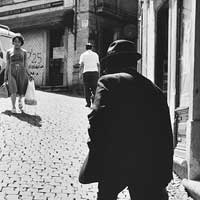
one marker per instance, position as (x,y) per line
(111,56)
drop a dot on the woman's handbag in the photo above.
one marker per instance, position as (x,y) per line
(30,98)
(4,93)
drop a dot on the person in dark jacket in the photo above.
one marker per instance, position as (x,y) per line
(130,130)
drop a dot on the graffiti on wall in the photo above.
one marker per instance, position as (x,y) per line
(35,59)
(36,54)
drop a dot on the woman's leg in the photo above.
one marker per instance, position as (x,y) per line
(20,103)
(13,100)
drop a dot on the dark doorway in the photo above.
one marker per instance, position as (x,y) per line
(56,64)
(106,37)
(161,54)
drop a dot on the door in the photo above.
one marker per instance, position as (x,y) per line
(56,64)
(161,54)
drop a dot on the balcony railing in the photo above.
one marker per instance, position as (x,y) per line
(105,8)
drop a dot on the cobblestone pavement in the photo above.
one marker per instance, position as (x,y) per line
(41,151)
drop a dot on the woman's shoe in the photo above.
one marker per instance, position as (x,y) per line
(87,105)
(20,106)
(14,110)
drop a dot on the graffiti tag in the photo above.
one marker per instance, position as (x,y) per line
(34,58)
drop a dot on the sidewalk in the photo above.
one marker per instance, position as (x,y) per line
(176,190)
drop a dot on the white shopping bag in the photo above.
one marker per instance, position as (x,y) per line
(30,98)
(4,91)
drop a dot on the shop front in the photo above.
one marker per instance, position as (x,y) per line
(45,28)
(170,48)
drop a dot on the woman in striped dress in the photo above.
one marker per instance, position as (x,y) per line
(17,72)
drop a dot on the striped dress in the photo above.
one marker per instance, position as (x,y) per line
(17,72)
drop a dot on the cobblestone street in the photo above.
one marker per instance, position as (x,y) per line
(41,151)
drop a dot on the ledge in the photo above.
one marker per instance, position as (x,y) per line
(192,187)
(62,17)
(180,167)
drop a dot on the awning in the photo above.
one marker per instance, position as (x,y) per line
(46,20)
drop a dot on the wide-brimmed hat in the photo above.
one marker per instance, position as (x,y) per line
(121,47)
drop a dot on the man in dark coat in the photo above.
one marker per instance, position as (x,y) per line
(130,130)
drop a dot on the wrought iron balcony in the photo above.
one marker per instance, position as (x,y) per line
(107,9)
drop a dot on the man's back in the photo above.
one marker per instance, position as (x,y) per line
(136,125)
(90,60)
(130,130)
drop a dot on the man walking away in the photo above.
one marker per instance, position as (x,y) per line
(130,130)
(89,68)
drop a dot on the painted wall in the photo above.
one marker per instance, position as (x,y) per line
(172,55)
(148,48)
(35,44)
(185,53)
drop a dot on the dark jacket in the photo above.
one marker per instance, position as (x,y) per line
(130,129)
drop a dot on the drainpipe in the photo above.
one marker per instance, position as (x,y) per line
(75,24)
(96,24)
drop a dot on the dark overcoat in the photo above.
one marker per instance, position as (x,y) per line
(130,129)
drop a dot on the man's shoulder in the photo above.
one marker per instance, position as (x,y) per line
(90,52)
(83,53)
(93,52)
(136,78)
(116,76)
(110,79)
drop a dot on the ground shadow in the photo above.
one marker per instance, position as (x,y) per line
(34,120)
(76,91)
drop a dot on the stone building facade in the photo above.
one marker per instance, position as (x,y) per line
(100,22)
(56,32)
(169,39)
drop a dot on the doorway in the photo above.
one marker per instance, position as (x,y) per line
(161,54)
(56,64)
(106,38)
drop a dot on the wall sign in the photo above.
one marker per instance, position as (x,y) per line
(58,52)
(84,23)
(32,8)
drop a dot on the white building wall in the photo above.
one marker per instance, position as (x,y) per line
(68,3)
(144,38)
(172,56)
(186,54)
(70,59)
(148,48)
(151,42)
